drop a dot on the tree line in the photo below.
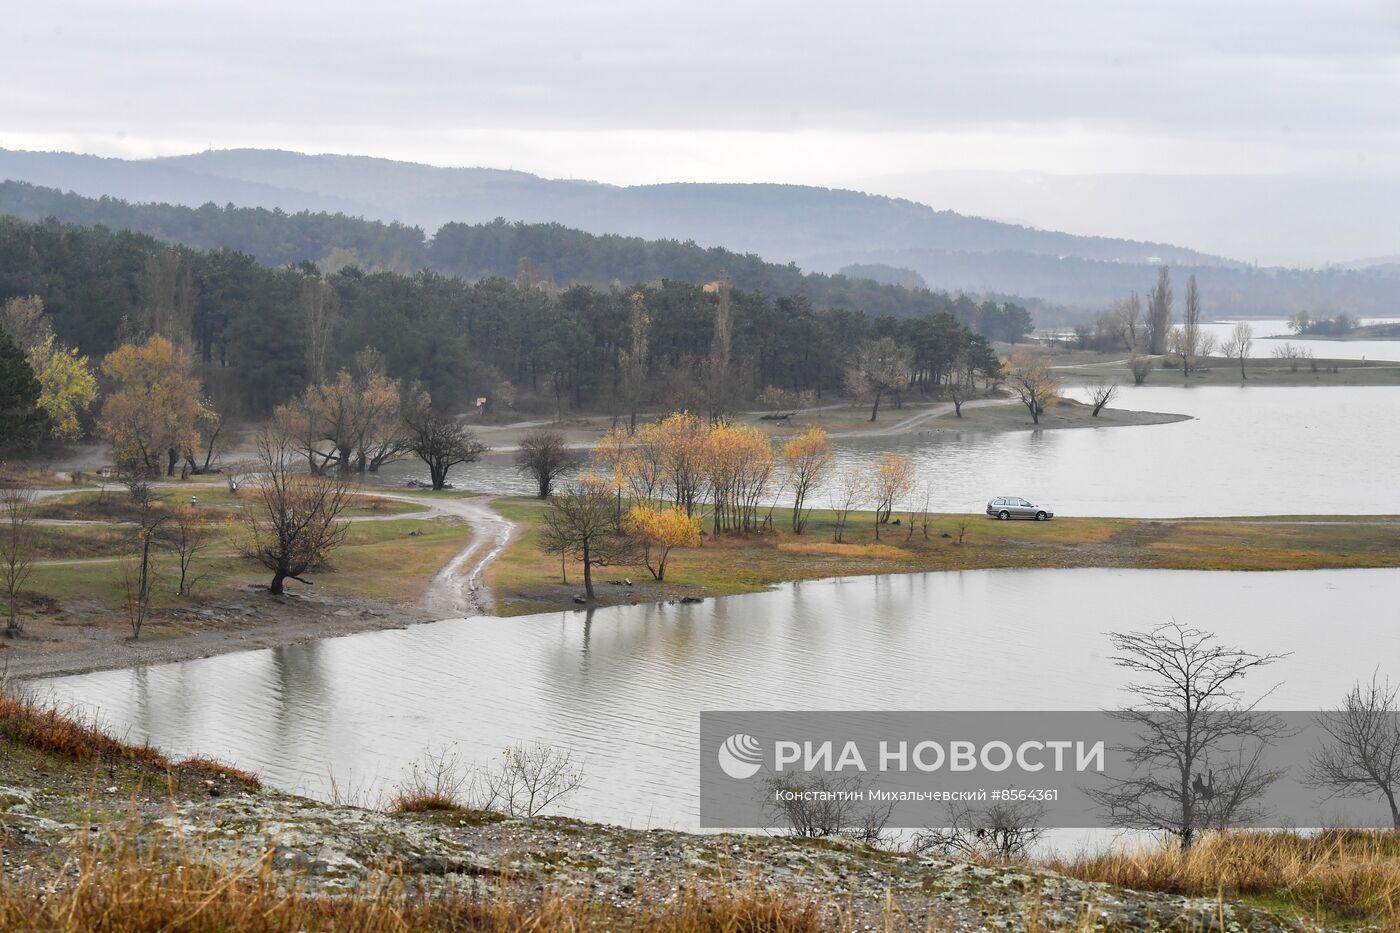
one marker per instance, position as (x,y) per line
(258,337)
(561,256)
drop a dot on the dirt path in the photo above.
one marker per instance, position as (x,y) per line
(905,425)
(250,618)
(459,588)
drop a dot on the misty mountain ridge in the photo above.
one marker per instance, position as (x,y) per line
(821,230)
(785,223)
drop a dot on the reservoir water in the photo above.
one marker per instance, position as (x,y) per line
(623,687)
(1248,450)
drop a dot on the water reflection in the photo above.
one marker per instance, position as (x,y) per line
(624,686)
(1249,450)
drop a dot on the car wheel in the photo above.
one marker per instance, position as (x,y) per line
(1003,515)
(1040,516)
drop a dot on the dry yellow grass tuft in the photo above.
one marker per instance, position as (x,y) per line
(1349,875)
(123,886)
(832,549)
(214,768)
(59,732)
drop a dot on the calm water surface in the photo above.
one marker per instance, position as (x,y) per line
(1271,334)
(623,687)
(1249,450)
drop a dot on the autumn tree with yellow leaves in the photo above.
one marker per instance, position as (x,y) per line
(354,422)
(808,457)
(1033,381)
(67,386)
(891,481)
(155,409)
(659,531)
(739,462)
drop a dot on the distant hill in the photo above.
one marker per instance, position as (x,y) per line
(821,230)
(557,254)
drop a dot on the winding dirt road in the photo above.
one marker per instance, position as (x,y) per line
(459,588)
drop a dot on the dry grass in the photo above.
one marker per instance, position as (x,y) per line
(525,580)
(66,734)
(59,732)
(1339,875)
(423,800)
(215,769)
(832,549)
(123,886)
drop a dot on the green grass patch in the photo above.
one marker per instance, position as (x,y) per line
(526,580)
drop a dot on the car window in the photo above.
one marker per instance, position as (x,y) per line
(998,502)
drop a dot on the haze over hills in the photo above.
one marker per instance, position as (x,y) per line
(820,229)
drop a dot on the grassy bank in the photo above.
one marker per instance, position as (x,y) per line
(1059,414)
(1345,879)
(525,580)
(82,539)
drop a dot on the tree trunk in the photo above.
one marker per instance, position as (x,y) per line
(173,457)
(275,588)
(875,409)
(588,572)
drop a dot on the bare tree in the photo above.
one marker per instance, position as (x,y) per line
(1291,355)
(1238,346)
(546,457)
(961,381)
(878,368)
(238,473)
(1363,757)
(634,359)
(1159,313)
(211,426)
(1198,747)
(1141,367)
(18,542)
(581,523)
(167,296)
(819,807)
(1101,393)
(319,310)
(1003,832)
(530,778)
(1127,316)
(189,538)
(440,441)
(139,569)
(851,489)
(721,346)
(292,523)
(1186,339)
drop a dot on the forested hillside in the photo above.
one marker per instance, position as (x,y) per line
(559,256)
(822,230)
(779,222)
(258,335)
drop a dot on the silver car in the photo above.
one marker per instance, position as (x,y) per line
(1009,507)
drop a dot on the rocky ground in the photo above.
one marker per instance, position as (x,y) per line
(334,849)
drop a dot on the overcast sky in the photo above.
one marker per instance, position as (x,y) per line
(887,96)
